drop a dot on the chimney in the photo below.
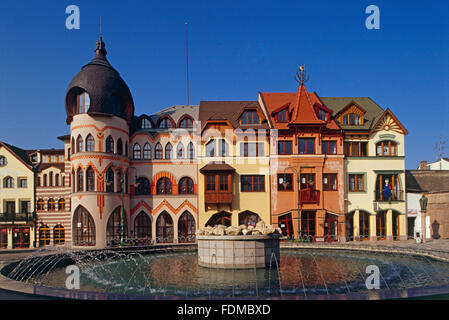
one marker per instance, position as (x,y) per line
(423,166)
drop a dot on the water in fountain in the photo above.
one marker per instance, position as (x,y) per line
(302,273)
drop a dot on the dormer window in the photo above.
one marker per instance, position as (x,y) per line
(83,102)
(165,124)
(116,105)
(352,119)
(282,116)
(186,122)
(146,123)
(249,117)
(322,115)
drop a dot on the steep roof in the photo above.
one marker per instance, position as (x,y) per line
(229,111)
(427,180)
(21,154)
(373,111)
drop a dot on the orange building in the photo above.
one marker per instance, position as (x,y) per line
(307,166)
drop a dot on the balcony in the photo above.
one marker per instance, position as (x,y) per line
(218,197)
(10,217)
(396,195)
(310,196)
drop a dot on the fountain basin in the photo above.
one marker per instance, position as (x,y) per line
(239,252)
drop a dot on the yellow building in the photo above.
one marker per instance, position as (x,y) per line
(17,227)
(374,169)
(233,164)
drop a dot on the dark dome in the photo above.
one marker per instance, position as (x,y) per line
(104,86)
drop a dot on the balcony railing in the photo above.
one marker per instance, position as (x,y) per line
(17,217)
(218,197)
(396,195)
(310,196)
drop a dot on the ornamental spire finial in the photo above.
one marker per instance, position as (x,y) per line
(302,75)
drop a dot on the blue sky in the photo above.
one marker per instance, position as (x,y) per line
(237,48)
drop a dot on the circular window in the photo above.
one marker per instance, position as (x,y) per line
(3,162)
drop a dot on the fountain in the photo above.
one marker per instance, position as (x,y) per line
(176,271)
(238,247)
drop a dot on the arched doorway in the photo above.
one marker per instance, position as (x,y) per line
(350,226)
(221,218)
(381,225)
(285,222)
(395,225)
(186,228)
(117,227)
(249,218)
(364,225)
(142,226)
(331,228)
(83,228)
(58,234)
(44,236)
(164,228)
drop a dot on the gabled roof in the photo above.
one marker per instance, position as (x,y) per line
(393,122)
(20,154)
(230,111)
(373,112)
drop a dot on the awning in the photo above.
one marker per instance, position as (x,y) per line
(217,166)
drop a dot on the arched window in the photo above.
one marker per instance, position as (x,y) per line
(164,228)
(158,152)
(223,148)
(168,151)
(165,123)
(136,152)
(186,122)
(248,218)
(73,181)
(83,228)
(80,175)
(142,226)
(117,226)
(386,148)
(83,102)
(143,186)
(73,146)
(364,227)
(61,204)
(79,144)
(119,146)
(223,218)
(186,186)
(58,234)
(45,180)
(109,145)
(210,149)
(186,228)
(146,124)
(126,149)
(90,143)
(110,180)
(57,180)
(90,180)
(191,151)
(40,204)
(50,179)
(120,181)
(147,151)
(44,236)
(51,204)
(164,186)
(180,151)
(8,183)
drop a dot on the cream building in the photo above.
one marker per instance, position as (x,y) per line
(17,217)
(374,168)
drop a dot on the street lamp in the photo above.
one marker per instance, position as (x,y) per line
(297,172)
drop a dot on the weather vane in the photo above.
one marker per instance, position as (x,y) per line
(301,75)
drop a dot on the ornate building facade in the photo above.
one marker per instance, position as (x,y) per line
(325,169)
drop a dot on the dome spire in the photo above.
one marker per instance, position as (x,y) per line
(100,50)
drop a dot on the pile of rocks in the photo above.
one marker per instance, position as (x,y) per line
(260,229)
